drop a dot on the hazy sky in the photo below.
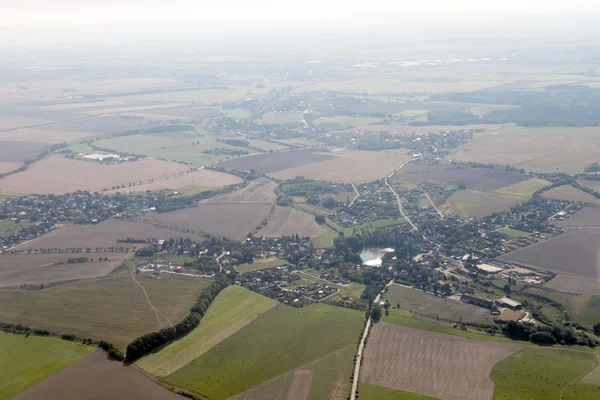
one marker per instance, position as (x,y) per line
(34,12)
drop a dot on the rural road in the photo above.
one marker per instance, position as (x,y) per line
(361,347)
(156,311)
(400,206)
(433,205)
(218,258)
(357,196)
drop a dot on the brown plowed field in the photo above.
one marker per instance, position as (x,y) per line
(442,366)
(286,221)
(6,166)
(202,178)
(570,193)
(22,269)
(11,151)
(257,191)
(96,378)
(273,162)
(573,253)
(482,179)
(58,174)
(575,284)
(586,218)
(233,220)
(33,135)
(349,166)
(105,235)
(594,185)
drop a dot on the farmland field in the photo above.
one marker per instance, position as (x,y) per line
(512,232)
(286,221)
(260,264)
(594,185)
(257,191)
(58,174)
(103,235)
(482,179)
(95,377)
(18,152)
(373,392)
(23,269)
(474,204)
(113,308)
(432,306)
(590,313)
(278,341)
(549,149)
(34,135)
(569,193)
(325,378)
(273,162)
(575,284)
(233,220)
(233,309)
(204,178)
(25,361)
(574,303)
(586,218)
(442,366)
(526,376)
(8,166)
(574,253)
(349,166)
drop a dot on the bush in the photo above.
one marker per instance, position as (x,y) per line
(320,219)
(542,338)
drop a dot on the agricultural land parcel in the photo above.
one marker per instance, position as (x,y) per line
(58,174)
(257,191)
(586,218)
(349,166)
(420,302)
(286,221)
(96,377)
(526,376)
(204,178)
(570,193)
(550,149)
(23,269)
(260,264)
(114,308)
(25,361)
(589,315)
(278,341)
(273,162)
(432,364)
(233,309)
(373,392)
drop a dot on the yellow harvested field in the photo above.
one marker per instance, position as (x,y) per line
(286,221)
(204,178)
(58,174)
(551,149)
(45,136)
(349,166)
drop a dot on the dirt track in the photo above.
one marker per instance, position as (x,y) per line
(257,191)
(97,378)
(442,366)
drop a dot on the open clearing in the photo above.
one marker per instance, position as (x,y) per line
(113,308)
(58,174)
(25,361)
(432,306)
(325,378)
(482,179)
(204,178)
(272,162)
(527,375)
(104,235)
(97,378)
(233,220)
(549,149)
(569,193)
(23,269)
(442,366)
(286,221)
(586,218)
(349,166)
(257,191)
(373,392)
(573,253)
(590,313)
(260,264)
(233,309)
(278,341)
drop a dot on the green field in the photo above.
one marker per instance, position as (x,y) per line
(261,264)
(238,113)
(329,379)
(538,373)
(25,361)
(513,232)
(233,309)
(10,226)
(524,189)
(326,240)
(278,341)
(590,314)
(475,204)
(374,392)
(113,308)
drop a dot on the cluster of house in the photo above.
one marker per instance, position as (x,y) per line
(374,203)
